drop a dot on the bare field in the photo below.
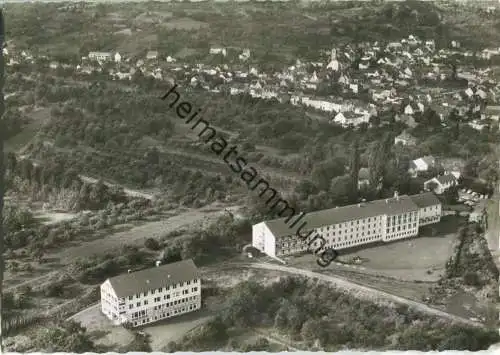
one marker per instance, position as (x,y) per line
(410,260)
(39,117)
(136,235)
(407,268)
(406,260)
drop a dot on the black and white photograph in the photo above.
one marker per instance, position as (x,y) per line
(249,176)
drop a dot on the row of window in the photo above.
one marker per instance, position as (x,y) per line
(161,289)
(353,242)
(433,218)
(398,229)
(332,233)
(369,235)
(158,299)
(401,221)
(403,234)
(347,224)
(290,242)
(166,314)
(142,313)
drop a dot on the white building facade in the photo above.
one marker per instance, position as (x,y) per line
(350,226)
(429,208)
(153,294)
(442,182)
(100,56)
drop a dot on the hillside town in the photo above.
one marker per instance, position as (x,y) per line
(124,232)
(410,75)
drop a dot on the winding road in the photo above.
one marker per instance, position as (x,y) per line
(358,290)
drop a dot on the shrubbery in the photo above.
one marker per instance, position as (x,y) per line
(319,315)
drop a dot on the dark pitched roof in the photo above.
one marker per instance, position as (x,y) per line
(156,277)
(343,214)
(425,200)
(446,179)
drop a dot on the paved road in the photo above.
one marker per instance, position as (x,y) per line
(360,290)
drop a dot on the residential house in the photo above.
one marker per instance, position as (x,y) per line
(147,296)
(421,165)
(245,55)
(440,184)
(492,112)
(100,56)
(413,107)
(152,55)
(218,50)
(479,214)
(405,139)
(363,177)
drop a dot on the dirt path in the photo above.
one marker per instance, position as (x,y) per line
(128,192)
(362,291)
(31,282)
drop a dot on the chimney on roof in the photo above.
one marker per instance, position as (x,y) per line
(158,263)
(129,271)
(396,195)
(359,204)
(386,200)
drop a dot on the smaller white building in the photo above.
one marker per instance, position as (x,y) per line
(150,295)
(405,139)
(478,215)
(152,55)
(442,183)
(100,56)
(218,50)
(421,164)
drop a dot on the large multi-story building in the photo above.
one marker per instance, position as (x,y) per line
(346,227)
(147,296)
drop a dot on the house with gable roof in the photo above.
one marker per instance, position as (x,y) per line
(405,139)
(147,296)
(441,183)
(421,165)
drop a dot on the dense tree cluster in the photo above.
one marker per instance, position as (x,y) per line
(225,236)
(472,259)
(64,336)
(331,320)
